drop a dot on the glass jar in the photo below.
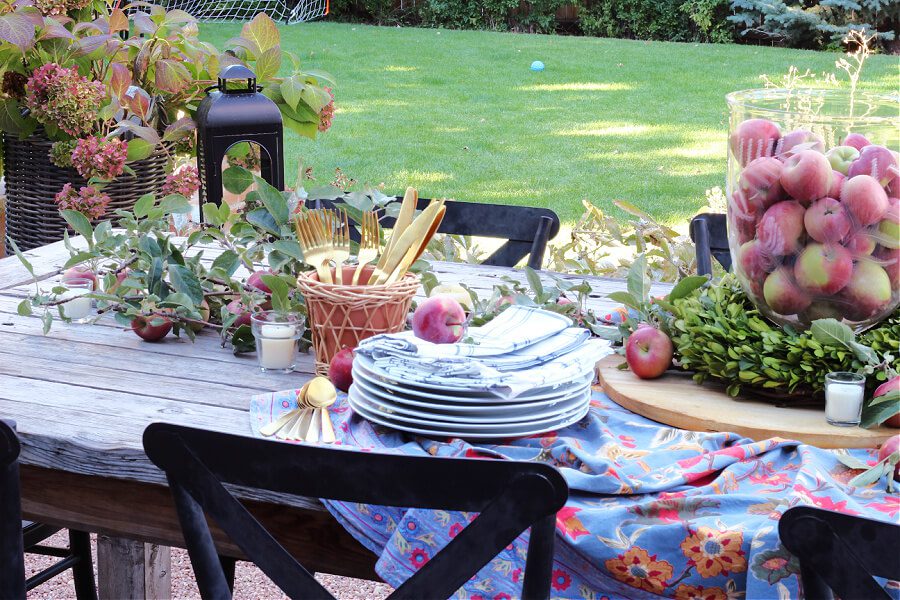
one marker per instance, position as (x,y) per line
(276,335)
(813,215)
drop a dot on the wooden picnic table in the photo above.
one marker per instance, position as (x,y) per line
(83,394)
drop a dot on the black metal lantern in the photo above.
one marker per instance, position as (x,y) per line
(229,116)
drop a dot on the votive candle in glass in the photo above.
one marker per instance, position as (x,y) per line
(844,393)
(276,336)
(77,305)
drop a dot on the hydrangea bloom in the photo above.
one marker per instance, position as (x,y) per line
(184,181)
(61,153)
(14,84)
(89,201)
(61,96)
(51,8)
(97,157)
(327,113)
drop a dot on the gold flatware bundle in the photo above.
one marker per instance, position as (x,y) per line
(310,421)
(369,242)
(408,239)
(315,241)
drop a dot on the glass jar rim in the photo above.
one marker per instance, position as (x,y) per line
(749,98)
(78,282)
(277,317)
(845,377)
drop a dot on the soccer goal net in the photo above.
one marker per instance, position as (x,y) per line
(288,11)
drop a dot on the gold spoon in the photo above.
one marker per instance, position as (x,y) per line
(286,420)
(320,395)
(290,428)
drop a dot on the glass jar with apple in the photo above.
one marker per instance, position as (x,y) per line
(813,215)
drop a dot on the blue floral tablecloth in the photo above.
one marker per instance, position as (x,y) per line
(653,511)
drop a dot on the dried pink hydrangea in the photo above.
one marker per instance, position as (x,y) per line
(98,157)
(52,8)
(184,181)
(326,115)
(61,96)
(88,200)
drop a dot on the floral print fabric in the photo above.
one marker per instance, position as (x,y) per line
(653,511)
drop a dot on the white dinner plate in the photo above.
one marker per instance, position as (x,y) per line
(520,430)
(363,369)
(520,411)
(359,400)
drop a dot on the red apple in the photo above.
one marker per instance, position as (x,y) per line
(754,138)
(867,292)
(888,448)
(841,157)
(797,141)
(753,261)
(889,259)
(80,272)
(860,243)
(648,352)
(837,184)
(760,181)
(439,319)
(891,385)
(340,369)
(782,293)
(780,230)
(806,176)
(823,268)
(889,227)
(743,216)
(865,199)
(145,328)
(856,140)
(826,221)
(236,307)
(877,162)
(255,281)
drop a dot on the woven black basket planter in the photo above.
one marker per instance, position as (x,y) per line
(32,182)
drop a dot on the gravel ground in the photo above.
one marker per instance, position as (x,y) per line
(249,582)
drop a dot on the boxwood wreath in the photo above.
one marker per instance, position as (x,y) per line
(719,334)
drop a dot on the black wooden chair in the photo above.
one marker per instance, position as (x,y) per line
(510,496)
(709,233)
(17,536)
(526,229)
(840,554)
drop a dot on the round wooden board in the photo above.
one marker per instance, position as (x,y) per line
(674,399)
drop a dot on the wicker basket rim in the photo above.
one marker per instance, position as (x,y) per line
(401,288)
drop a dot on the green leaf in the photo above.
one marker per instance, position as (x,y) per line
(24,308)
(154,276)
(175,204)
(12,121)
(273,200)
(876,414)
(289,247)
(831,332)
(139,149)
(149,246)
(237,179)
(534,281)
(211,214)
(686,286)
(291,88)
(79,223)
(184,280)
(864,353)
(78,259)
(171,76)
(262,31)
(624,298)
(261,218)
(18,30)
(280,292)
(243,340)
(891,396)
(47,321)
(180,299)
(143,205)
(228,261)
(849,461)
(20,256)
(638,283)
(268,63)
(872,475)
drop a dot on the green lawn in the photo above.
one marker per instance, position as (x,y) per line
(459,113)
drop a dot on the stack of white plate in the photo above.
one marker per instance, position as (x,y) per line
(444,411)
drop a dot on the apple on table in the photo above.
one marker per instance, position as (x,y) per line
(648,351)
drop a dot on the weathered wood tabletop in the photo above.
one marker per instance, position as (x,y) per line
(83,394)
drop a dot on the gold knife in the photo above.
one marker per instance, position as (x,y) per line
(404,218)
(415,251)
(412,237)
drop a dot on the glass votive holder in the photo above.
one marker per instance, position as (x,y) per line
(76,305)
(276,336)
(844,393)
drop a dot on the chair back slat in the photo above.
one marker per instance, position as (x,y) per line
(709,232)
(509,495)
(527,229)
(846,552)
(12,558)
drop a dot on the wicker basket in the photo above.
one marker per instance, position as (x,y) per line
(341,316)
(32,181)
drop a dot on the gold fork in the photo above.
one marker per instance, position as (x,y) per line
(369,243)
(340,242)
(315,243)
